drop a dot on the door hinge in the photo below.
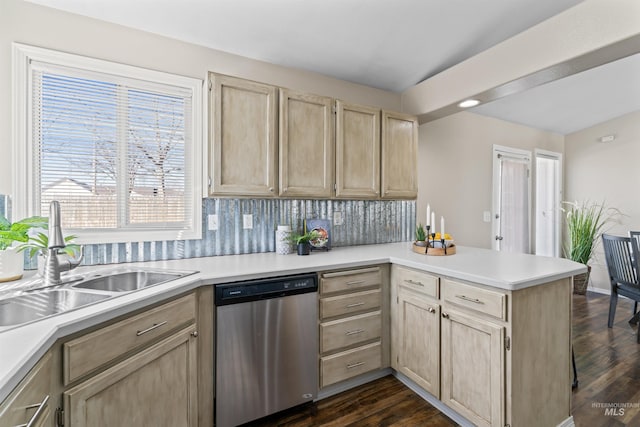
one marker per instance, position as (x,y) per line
(507,343)
(507,425)
(334,109)
(397,300)
(59,416)
(210,85)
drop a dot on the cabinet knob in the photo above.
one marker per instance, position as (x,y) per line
(271,189)
(445,315)
(194,334)
(431,310)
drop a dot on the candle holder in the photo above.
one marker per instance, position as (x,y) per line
(428,227)
(444,246)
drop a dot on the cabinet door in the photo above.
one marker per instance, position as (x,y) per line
(417,343)
(399,156)
(306,145)
(473,368)
(156,387)
(31,402)
(357,151)
(243,137)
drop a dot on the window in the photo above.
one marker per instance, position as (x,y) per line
(118,146)
(548,203)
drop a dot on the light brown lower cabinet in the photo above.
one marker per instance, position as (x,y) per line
(417,330)
(156,387)
(473,368)
(496,357)
(30,403)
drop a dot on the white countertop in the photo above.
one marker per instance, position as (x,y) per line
(21,347)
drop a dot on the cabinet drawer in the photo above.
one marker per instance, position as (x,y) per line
(347,364)
(91,351)
(342,281)
(417,281)
(350,331)
(474,298)
(30,400)
(349,303)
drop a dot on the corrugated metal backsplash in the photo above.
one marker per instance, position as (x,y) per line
(364,222)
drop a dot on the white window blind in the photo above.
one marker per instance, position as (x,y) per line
(117,152)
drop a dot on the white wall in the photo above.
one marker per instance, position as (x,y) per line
(455,169)
(45,27)
(606,172)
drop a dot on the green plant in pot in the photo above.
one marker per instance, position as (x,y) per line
(421,236)
(585,224)
(303,241)
(11,235)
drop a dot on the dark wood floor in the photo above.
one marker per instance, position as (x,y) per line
(608,362)
(384,402)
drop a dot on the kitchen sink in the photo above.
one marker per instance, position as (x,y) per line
(129,280)
(40,301)
(43,303)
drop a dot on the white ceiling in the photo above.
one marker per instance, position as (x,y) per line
(388,44)
(576,102)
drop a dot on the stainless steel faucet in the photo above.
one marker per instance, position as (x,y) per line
(56,263)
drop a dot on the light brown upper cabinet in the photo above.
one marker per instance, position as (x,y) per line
(306,145)
(399,156)
(243,137)
(357,151)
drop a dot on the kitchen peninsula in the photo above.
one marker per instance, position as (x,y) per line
(523,302)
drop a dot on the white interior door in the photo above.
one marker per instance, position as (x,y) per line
(548,198)
(511,199)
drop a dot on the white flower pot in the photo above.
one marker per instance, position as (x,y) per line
(11,265)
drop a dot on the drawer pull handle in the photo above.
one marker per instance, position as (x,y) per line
(355,304)
(354,332)
(151,328)
(445,315)
(431,310)
(355,282)
(473,300)
(36,414)
(413,282)
(354,365)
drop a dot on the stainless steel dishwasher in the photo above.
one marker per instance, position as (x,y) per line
(266,347)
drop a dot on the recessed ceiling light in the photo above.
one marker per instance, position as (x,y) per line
(467,103)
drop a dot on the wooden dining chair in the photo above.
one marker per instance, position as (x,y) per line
(635,235)
(623,271)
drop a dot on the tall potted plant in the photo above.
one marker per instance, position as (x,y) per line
(11,234)
(585,223)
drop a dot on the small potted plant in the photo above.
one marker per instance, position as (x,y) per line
(11,234)
(421,236)
(303,241)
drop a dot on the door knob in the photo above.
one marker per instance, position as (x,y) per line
(498,237)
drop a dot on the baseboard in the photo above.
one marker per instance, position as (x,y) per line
(351,383)
(434,401)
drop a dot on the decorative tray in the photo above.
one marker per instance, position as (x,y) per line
(429,250)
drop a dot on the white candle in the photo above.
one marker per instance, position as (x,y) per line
(442,227)
(433,222)
(428,215)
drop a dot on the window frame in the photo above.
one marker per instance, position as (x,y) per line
(23,201)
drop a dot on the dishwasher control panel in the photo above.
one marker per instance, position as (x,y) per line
(234,293)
